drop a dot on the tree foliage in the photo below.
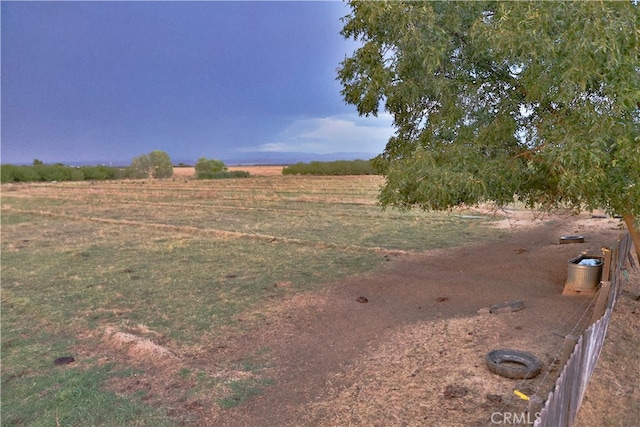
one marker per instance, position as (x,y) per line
(156,164)
(497,101)
(206,168)
(216,169)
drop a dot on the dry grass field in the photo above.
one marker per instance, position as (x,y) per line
(254,170)
(239,302)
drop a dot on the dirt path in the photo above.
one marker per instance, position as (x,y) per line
(326,351)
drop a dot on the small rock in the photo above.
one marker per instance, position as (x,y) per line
(362,300)
(484,310)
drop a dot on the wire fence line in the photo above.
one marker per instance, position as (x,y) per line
(563,402)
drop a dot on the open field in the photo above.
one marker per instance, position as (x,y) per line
(182,264)
(233,302)
(254,170)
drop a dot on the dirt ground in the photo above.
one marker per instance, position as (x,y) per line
(413,354)
(406,345)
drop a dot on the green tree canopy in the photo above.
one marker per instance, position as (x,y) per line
(156,164)
(502,101)
(207,168)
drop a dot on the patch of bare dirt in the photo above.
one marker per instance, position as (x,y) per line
(414,353)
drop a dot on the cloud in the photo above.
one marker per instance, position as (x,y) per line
(334,134)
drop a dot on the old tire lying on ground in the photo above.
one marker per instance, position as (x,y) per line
(513,363)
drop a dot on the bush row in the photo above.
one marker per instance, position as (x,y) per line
(222,174)
(59,172)
(338,167)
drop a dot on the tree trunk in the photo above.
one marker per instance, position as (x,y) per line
(633,230)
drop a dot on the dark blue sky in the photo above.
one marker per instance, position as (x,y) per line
(107,81)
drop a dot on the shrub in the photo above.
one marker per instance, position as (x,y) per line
(58,172)
(99,173)
(206,168)
(156,164)
(27,174)
(8,173)
(230,174)
(75,174)
(225,175)
(338,167)
(215,169)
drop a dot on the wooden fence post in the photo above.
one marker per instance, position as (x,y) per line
(606,268)
(601,304)
(535,406)
(570,342)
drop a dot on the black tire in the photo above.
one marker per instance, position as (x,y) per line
(520,364)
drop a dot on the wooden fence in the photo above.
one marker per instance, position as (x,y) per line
(564,400)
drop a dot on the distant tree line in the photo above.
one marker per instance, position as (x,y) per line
(156,164)
(338,167)
(59,172)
